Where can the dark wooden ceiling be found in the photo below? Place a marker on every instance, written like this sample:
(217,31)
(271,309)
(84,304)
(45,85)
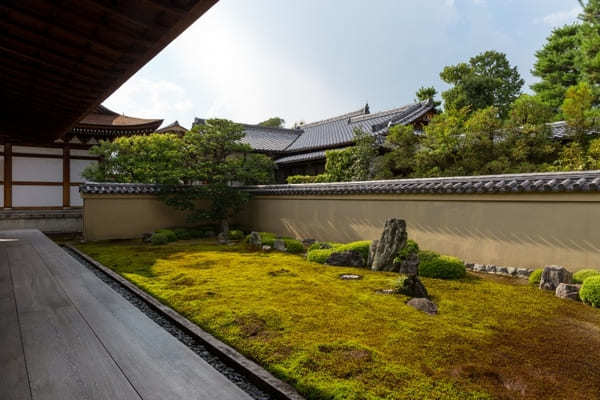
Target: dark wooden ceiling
(60,59)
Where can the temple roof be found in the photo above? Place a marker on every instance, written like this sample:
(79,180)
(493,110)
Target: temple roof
(105,122)
(173,127)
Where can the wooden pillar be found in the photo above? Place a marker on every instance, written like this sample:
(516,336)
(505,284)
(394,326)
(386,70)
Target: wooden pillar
(7,175)
(66,181)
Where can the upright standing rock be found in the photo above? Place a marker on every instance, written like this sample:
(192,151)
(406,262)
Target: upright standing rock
(254,240)
(279,245)
(553,276)
(393,239)
(372,250)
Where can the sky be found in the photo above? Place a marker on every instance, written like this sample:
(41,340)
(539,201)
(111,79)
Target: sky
(305,60)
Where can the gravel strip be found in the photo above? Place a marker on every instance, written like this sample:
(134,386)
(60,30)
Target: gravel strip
(233,375)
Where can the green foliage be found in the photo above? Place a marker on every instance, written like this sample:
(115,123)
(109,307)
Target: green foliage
(411,248)
(163,236)
(183,233)
(556,66)
(257,169)
(293,246)
(588,60)
(155,158)
(323,245)
(590,291)
(578,111)
(235,234)
(433,265)
(352,163)
(486,80)
(274,122)
(536,277)
(428,94)
(582,275)
(402,144)
(339,164)
(321,255)
(321,178)
(529,111)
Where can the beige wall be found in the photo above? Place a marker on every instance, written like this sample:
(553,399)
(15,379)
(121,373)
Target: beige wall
(529,230)
(126,216)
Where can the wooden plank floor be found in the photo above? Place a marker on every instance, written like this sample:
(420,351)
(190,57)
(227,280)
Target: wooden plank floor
(65,334)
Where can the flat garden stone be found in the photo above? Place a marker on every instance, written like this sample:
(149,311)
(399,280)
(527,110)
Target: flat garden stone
(349,258)
(266,248)
(350,277)
(422,304)
(554,275)
(568,291)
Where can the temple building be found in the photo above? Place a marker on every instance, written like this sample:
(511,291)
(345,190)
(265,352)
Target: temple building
(46,174)
(301,151)
(174,128)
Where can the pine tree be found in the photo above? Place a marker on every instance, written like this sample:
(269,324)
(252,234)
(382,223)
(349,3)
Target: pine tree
(556,66)
(589,59)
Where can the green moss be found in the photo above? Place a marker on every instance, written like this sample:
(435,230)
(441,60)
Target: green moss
(580,276)
(236,235)
(321,255)
(433,265)
(336,339)
(536,277)
(323,245)
(590,291)
(411,248)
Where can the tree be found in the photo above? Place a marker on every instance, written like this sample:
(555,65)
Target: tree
(352,163)
(274,122)
(529,110)
(556,65)
(428,94)
(486,80)
(399,161)
(578,111)
(155,158)
(589,35)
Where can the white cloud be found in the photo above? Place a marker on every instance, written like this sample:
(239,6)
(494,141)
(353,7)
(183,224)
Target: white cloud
(147,98)
(560,17)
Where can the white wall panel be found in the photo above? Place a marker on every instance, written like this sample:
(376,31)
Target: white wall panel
(1,168)
(1,196)
(37,150)
(37,196)
(79,152)
(37,169)
(76,200)
(77,167)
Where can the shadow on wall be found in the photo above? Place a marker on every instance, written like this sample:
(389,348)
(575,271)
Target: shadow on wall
(515,233)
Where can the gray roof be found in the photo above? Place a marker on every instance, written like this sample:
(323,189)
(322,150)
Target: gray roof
(315,155)
(262,138)
(586,181)
(339,131)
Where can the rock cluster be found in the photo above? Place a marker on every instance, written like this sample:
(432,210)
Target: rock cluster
(279,245)
(553,276)
(254,240)
(568,291)
(349,258)
(500,270)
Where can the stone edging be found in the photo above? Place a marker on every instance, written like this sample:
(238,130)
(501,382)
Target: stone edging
(252,370)
(500,270)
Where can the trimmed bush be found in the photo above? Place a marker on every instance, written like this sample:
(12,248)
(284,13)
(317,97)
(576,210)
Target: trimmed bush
(536,277)
(433,265)
(236,234)
(183,233)
(163,236)
(323,245)
(196,233)
(321,255)
(293,246)
(580,276)
(590,291)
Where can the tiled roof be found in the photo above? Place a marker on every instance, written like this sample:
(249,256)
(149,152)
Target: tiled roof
(587,181)
(315,155)
(173,127)
(262,138)
(339,131)
(105,122)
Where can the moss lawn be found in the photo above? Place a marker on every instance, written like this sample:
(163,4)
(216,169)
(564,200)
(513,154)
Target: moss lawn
(339,339)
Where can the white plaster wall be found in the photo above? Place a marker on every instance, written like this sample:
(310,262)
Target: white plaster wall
(77,167)
(1,196)
(37,196)
(37,169)
(79,152)
(1,168)
(37,150)
(76,200)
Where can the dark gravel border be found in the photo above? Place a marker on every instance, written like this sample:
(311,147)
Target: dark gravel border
(187,338)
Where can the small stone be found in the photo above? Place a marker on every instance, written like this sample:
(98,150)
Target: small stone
(349,258)
(502,270)
(512,271)
(308,242)
(568,291)
(266,248)
(469,265)
(412,287)
(554,275)
(479,268)
(523,272)
(490,269)
(350,277)
(222,238)
(146,237)
(422,304)
(254,240)
(279,245)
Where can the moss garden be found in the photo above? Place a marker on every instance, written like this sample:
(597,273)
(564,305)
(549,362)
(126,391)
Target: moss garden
(494,337)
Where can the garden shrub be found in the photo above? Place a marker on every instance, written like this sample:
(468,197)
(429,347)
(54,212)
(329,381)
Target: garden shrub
(536,277)
(411,248)
(163,236)
(196,233)
(183,233)
(236,234)
(293,246)
(590,291)
(433,265)
(323,245)
(321,178)
(321,255)
(580,276)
